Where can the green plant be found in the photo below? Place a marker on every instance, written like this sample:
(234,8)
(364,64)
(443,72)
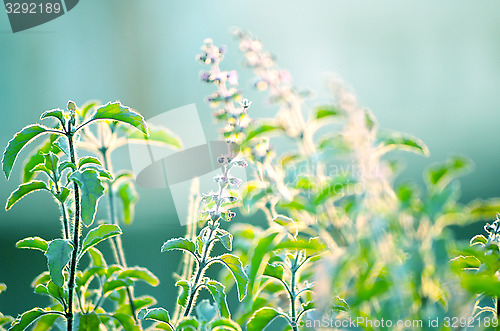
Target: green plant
(77,184)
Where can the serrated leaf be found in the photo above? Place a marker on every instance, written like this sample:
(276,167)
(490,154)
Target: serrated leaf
(219,295)
(261,318)
(22,322)
(97,257)
(33,243)
(37,157)
(96,235)
(404,142)
(183,296)
(16,144)
(118,112)
(234,265)
(91,191)
(87,322)
(115,284)
(155,314)
(128,197)
(23,190)
(180,244)
(157,135)
(138,273)
(225,238)
(56,113)
(58,255)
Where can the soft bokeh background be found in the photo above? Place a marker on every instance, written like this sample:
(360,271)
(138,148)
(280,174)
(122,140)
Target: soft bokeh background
(430,69)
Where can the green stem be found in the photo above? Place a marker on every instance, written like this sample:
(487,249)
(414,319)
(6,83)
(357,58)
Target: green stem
(116,243)
(76,237)
(199,274)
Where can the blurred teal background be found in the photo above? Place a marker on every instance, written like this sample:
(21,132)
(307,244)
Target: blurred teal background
(426,68)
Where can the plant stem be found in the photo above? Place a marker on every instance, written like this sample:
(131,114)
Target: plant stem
(76,237)
(293,295)
(199,274)
(116,243)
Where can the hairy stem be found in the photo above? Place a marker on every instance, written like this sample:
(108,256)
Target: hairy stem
(115,242)
(76,237)
(199,274)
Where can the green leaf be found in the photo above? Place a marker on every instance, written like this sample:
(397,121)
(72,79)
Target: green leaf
(16,144)
(128,197)
(442,174)
(288,223)
(33,243)
(259,251)
(480,209)
(180,244)
(189,323)
(311,246)
(155,314)
(86,322)
(337,187)
(118,112)
(404,142)
(37,157)
(99,234)
(234,265)
(217,291)
(46,322)
(322,112)
(260,128)
(126,321)
(115,284)
(97,257)
(224,324)
(56,113)
(57,292)
(3,287)
(24,321)
(138,273)
(183,296)
(91,190)
(274,270)
(261,318)
(88,160)
(159,136)
(225,238)
(23,190)
(87,107)
(58,255)
(478,240)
